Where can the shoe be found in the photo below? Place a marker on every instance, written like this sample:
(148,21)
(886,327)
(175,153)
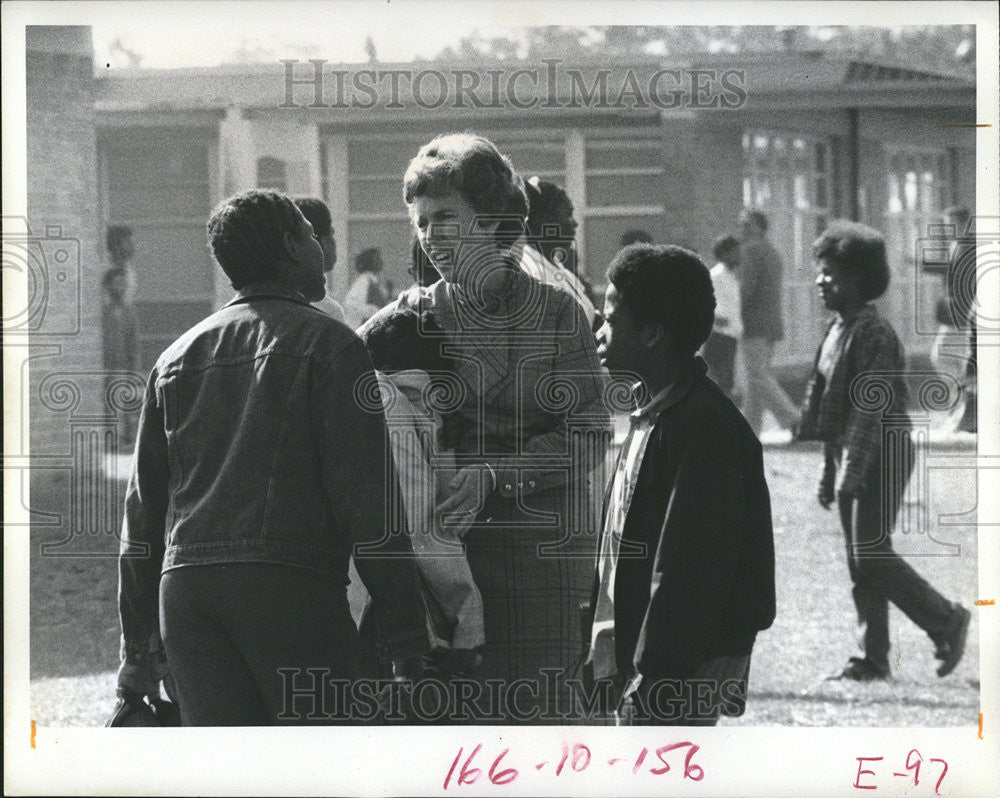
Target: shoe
(862,669)
(951,644)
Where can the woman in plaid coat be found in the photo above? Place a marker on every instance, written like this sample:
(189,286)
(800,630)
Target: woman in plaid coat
(534,422)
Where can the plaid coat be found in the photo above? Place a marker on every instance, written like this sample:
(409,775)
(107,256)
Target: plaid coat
(868,346)
(532,403)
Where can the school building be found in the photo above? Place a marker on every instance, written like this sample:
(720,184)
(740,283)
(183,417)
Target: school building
(674,148)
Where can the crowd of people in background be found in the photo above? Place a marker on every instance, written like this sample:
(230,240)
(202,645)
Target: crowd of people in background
(447,446)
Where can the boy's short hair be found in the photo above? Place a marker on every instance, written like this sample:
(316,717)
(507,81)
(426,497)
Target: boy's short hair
(404,340)
(666,285)
(246,234)
(857,250)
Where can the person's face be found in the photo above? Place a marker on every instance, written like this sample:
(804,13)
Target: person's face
(839,291)
(620,343)
(304,264)
(450,234)
(329,246)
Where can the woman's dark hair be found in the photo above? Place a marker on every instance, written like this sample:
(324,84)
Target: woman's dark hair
(666,285)
(473,167)
(859,252)
(246,234)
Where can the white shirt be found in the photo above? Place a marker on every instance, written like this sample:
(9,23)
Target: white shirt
(727,301)
(602,641)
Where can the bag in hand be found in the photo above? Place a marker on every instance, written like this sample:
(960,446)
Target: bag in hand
(133,711)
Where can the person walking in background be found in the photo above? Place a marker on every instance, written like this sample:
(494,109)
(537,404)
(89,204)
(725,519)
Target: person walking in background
(761,312)
(318,215)
(954,350)
(369,291)
(256,472)
(685,576)
(720,348)
(120,339)
(864,470)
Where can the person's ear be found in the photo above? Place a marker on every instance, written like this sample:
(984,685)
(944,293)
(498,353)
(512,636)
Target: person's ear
(652,334)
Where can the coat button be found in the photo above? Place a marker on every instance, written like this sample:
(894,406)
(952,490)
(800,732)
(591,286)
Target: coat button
(531,484)
(508,487)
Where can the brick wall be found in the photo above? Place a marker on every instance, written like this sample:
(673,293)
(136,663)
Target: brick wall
(72,424)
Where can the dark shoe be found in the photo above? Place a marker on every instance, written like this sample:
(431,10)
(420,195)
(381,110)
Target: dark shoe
(860,669)
(951,644)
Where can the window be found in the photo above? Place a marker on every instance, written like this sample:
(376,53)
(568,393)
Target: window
(917,193)
(787,176)
(623,179)
(271,173)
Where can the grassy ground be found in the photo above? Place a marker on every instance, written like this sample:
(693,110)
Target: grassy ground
(74,625)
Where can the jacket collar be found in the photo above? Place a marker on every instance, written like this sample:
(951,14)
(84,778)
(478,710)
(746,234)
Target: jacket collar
(268,288)
(670,395)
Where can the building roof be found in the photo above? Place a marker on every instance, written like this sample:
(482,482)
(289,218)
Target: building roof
(803,79)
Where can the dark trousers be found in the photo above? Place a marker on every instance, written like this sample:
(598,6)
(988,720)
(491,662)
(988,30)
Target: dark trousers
(879,575)
(720,354)
(240,639)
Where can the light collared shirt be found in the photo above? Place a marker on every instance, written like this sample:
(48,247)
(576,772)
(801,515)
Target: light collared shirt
(642,421)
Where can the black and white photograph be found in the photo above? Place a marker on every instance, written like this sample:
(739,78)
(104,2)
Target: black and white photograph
(501,398)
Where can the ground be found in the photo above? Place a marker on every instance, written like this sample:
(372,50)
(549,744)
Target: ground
(74,622)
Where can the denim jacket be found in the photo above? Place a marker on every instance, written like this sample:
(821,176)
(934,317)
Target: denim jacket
(256,445)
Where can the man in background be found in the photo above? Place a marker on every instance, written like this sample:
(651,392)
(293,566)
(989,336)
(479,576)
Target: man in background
(761,310)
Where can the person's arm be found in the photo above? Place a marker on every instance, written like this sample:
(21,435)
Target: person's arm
(698,548)
(578,362)
(361,485)
(873,349)
(142,547)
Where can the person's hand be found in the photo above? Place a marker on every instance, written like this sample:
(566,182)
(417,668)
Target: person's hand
(467,489)
(408,668)
(825,495)
(142,676)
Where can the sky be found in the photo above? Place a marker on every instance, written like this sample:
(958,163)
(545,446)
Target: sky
(207,34)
